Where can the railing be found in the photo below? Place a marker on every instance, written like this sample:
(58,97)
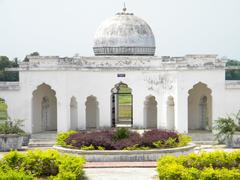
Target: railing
(9,86)
(232,84)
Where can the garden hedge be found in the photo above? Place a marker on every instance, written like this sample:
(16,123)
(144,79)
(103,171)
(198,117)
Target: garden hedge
(204,165)
(41,164)
(121,139)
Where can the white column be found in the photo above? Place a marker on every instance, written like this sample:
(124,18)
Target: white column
(28,121)
(63,113)
(104,103)
(218,109)
(181,111)
(160,113)
(81,113)
(138,111)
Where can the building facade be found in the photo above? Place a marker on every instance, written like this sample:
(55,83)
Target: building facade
(177,93)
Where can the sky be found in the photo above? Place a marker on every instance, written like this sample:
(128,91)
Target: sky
(67,27)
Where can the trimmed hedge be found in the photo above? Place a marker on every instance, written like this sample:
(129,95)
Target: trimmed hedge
(203,166)
(14,175)
(122,139)
(37,163)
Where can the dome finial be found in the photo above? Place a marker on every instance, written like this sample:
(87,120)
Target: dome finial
(124,7)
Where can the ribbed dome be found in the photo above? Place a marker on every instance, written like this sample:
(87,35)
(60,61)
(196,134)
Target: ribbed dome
(124,34)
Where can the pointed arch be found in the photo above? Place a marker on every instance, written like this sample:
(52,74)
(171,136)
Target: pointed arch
(121,105)
(73,114)
(92,112)
(44,109)
(200,107)
(150,112)
(170,113)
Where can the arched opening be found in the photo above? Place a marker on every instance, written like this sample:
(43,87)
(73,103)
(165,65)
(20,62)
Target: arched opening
(3,110)
(73,114)
(150,112)
(170,113)
(200,107)
(122,110)
(92,112)
(44,109)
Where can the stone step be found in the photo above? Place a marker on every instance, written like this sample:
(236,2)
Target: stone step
(43,136)
(201,136)
(41,143)
(123,125)
(43,139)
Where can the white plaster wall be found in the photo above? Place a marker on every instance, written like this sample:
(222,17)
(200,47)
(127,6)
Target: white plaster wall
(232,102)
(150,112)
(92,112)
(214,79)
(194,117)
(83,83)
(170,113)
(37,123)
(73,114)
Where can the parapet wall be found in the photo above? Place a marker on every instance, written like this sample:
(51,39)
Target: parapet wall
(188,62)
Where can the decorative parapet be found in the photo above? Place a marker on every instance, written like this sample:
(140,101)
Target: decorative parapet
(188,62)
(8,86)
(230,84)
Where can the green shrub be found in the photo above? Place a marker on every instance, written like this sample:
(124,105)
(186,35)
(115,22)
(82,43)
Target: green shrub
(225,128)
(121,133)
(13,159)
(183,140)
(136,147)
(91,147)
(60,140)
(64,176)
(41,164)
(37,163)
(122,138)
(101,148)
(158,144)
(170,143)
(213,165)
(15,175)
(12,127)
(71,164)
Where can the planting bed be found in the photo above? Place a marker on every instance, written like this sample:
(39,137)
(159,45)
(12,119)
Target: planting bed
(38,164)
(205,165)
(123,144)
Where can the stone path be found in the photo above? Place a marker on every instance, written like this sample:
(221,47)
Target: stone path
(121,164)
(130,170)
(121,173)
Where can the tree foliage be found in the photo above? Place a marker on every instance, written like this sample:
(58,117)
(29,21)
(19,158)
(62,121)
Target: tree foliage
(233,74)
(32,54)
(8,75)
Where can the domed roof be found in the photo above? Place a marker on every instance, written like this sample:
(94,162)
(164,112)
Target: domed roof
(124,34)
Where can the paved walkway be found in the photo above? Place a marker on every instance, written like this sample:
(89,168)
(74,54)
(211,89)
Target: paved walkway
(147,164)
(130,170)
(121,173)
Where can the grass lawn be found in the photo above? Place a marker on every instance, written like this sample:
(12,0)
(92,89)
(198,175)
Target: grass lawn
(125,99)
(125,105)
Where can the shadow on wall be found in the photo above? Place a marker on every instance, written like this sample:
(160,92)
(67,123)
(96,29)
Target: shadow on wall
(200,107)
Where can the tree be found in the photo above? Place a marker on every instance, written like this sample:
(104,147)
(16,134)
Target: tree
(35,54)
(32,54)
(233,74)
(8,75)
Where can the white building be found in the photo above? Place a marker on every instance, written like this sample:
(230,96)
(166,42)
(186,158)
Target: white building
(181,93)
